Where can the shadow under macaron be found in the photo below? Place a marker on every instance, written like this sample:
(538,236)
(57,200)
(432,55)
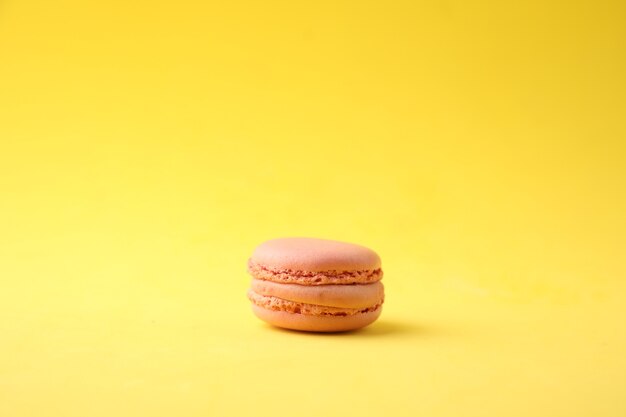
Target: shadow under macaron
(380,328)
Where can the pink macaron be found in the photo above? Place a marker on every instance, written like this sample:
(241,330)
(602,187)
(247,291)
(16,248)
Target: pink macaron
(315,285)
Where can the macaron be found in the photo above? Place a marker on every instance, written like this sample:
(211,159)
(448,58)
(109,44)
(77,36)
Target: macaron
(315,285)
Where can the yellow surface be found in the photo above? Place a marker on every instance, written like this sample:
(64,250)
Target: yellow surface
(147,147)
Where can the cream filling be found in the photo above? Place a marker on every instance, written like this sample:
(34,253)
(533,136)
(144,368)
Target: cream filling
(341,296)
(279,304)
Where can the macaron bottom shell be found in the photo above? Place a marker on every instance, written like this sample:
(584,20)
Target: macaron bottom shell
(316,323)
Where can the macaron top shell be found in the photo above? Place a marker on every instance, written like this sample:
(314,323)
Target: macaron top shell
(307,254)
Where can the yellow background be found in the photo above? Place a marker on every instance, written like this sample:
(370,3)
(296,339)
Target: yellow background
(146,148)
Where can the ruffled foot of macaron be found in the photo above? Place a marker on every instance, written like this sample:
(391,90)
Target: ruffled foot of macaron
(315,285)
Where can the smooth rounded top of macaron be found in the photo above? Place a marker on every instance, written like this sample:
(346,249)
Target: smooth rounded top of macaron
(308,254)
